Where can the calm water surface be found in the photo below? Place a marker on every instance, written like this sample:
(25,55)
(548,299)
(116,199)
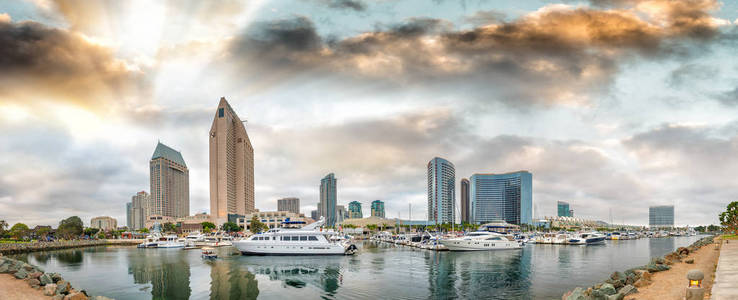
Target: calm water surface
(379,271)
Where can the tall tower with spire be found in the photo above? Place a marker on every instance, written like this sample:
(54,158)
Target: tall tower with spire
(231,165)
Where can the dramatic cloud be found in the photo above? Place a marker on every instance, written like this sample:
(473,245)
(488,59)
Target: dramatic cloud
(356,5)
(40,62)
(568,53)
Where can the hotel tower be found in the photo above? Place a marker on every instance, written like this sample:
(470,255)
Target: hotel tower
(231,166)
(170,183)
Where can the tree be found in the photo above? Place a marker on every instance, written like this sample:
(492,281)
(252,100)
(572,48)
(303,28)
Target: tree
(70,227)
(231,227)
(169,227)
(3,226)
(729,218)
(256,226)
(713,228)
(208,226)
(89,231)
(143,230)
(43,232)
(19,230)
(371,227)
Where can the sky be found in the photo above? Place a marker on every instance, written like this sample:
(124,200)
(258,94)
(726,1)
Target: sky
(613,106)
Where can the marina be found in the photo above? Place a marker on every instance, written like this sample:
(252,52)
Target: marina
(378,270)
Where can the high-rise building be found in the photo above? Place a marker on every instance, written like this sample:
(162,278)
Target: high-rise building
(231,166)
(328,199)
(502,197)
(291,204)
(341,213)
(464,200)
(563,209)
(139,210)
(355,210)
(315,215)
(129,215)
(441,192)
(170,183)
(661,216)
(104,223)
(377,208)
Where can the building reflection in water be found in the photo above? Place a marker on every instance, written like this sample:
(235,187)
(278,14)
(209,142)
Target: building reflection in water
(167,271)
(659,246)
(298,274)
(480,274)
(232,281)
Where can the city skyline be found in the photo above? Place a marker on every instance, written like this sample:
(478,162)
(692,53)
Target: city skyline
(607,117)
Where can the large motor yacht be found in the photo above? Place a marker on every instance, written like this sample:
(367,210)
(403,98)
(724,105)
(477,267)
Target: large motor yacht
(290,241)
(170,241)
(587,238)
(480,240)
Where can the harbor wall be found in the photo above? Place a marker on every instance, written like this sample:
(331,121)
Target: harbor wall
(16,248)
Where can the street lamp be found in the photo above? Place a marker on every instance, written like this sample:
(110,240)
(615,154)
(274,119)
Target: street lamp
(694,289)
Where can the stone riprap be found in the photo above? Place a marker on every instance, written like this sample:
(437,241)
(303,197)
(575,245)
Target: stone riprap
(621,284)
(16,248)
(52,284)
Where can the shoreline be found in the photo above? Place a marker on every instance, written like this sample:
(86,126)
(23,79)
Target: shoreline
(20,248)
(663,277)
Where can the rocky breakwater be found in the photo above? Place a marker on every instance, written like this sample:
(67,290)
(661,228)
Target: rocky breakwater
(52,284)
(621,284)
(15,248)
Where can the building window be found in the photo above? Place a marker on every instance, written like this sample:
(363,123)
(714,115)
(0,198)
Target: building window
(220,113)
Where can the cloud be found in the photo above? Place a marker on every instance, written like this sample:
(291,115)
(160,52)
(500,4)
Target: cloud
(728,98)
(687,74)
(356,5)
(558,54)
(40,62)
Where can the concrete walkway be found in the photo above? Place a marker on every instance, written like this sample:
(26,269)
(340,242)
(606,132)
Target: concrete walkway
(726,276)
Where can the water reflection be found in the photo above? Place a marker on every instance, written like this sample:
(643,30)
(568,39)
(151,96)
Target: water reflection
(297,273)
(168,272)
(231,281)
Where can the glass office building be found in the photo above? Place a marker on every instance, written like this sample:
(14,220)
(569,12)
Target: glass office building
(441,192)
(661,216)
(328,199)
(377,208)
(502,197)
(355,210)
(563,208)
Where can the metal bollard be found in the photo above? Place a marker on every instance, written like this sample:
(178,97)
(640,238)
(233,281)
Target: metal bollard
(695,291)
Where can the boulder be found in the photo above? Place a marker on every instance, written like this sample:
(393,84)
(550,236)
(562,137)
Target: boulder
(35,275)
(50,289)
(615,297)
(58,297)
(643,274)
(627,290)
(617,276)
(56,277)
(618,283)
(607,289)
(28,268)
(641,283)
(682,251)
(45,279)
(576,294)
(598,295)
(689,261)
(4,268)
(76,296)
(21,274)
(34,282)
(63,287)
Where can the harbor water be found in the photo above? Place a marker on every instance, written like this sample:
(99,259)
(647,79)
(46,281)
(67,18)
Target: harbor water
(378,271)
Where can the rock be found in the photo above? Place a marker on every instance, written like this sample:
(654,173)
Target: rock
(641,282)
(617,276)
(35,275)
(58,297)
(607,289)
(56,277)
(45,279)
(643,274)
(76,296)
(616,297)
(598,295)
(653,268)
(63,287)
(576,294)
(598,286)
(34,282)
(102,298)
(50,289)
(627,290)
(618,284)
(21,274)
(689,261)
(682,251)
(4,268)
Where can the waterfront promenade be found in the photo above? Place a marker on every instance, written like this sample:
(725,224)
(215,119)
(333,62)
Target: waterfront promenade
(15,248)
(726,275)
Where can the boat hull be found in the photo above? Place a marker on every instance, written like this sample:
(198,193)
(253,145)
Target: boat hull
(472,245)
(250,248)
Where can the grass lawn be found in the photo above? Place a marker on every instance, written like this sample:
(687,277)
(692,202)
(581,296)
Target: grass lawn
(730,236)
(13,242)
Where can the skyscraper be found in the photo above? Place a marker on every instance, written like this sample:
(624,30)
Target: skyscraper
(464,200)
(291,204)
(377,208)
(563,209)
(355,210)
(129,215)
(231,166)
(661,216)
(315,215)
(341,213)
(170,183)
(139,210)
(328,199)
(441,192)
(502,197)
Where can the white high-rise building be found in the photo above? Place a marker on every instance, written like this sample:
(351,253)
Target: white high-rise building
(441,191)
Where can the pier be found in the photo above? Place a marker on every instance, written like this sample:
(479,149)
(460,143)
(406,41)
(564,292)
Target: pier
(16,248)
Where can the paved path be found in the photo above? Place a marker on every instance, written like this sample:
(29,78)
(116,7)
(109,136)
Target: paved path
(726,276)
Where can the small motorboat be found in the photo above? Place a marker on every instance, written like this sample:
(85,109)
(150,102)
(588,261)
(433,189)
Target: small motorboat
(208,253)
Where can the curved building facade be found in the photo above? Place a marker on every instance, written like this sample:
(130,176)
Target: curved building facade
(441,192)
(502,197)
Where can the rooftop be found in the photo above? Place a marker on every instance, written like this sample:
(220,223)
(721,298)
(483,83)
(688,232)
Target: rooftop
(165,151)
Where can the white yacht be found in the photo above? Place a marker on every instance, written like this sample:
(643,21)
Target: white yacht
(170,241)
(195,237)
(587,238)
(560,239)
(290,241)
(151,241)
(225,240)
(480,240)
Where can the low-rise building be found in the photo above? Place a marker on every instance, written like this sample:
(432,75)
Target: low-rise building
(104,223)
(274,219)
